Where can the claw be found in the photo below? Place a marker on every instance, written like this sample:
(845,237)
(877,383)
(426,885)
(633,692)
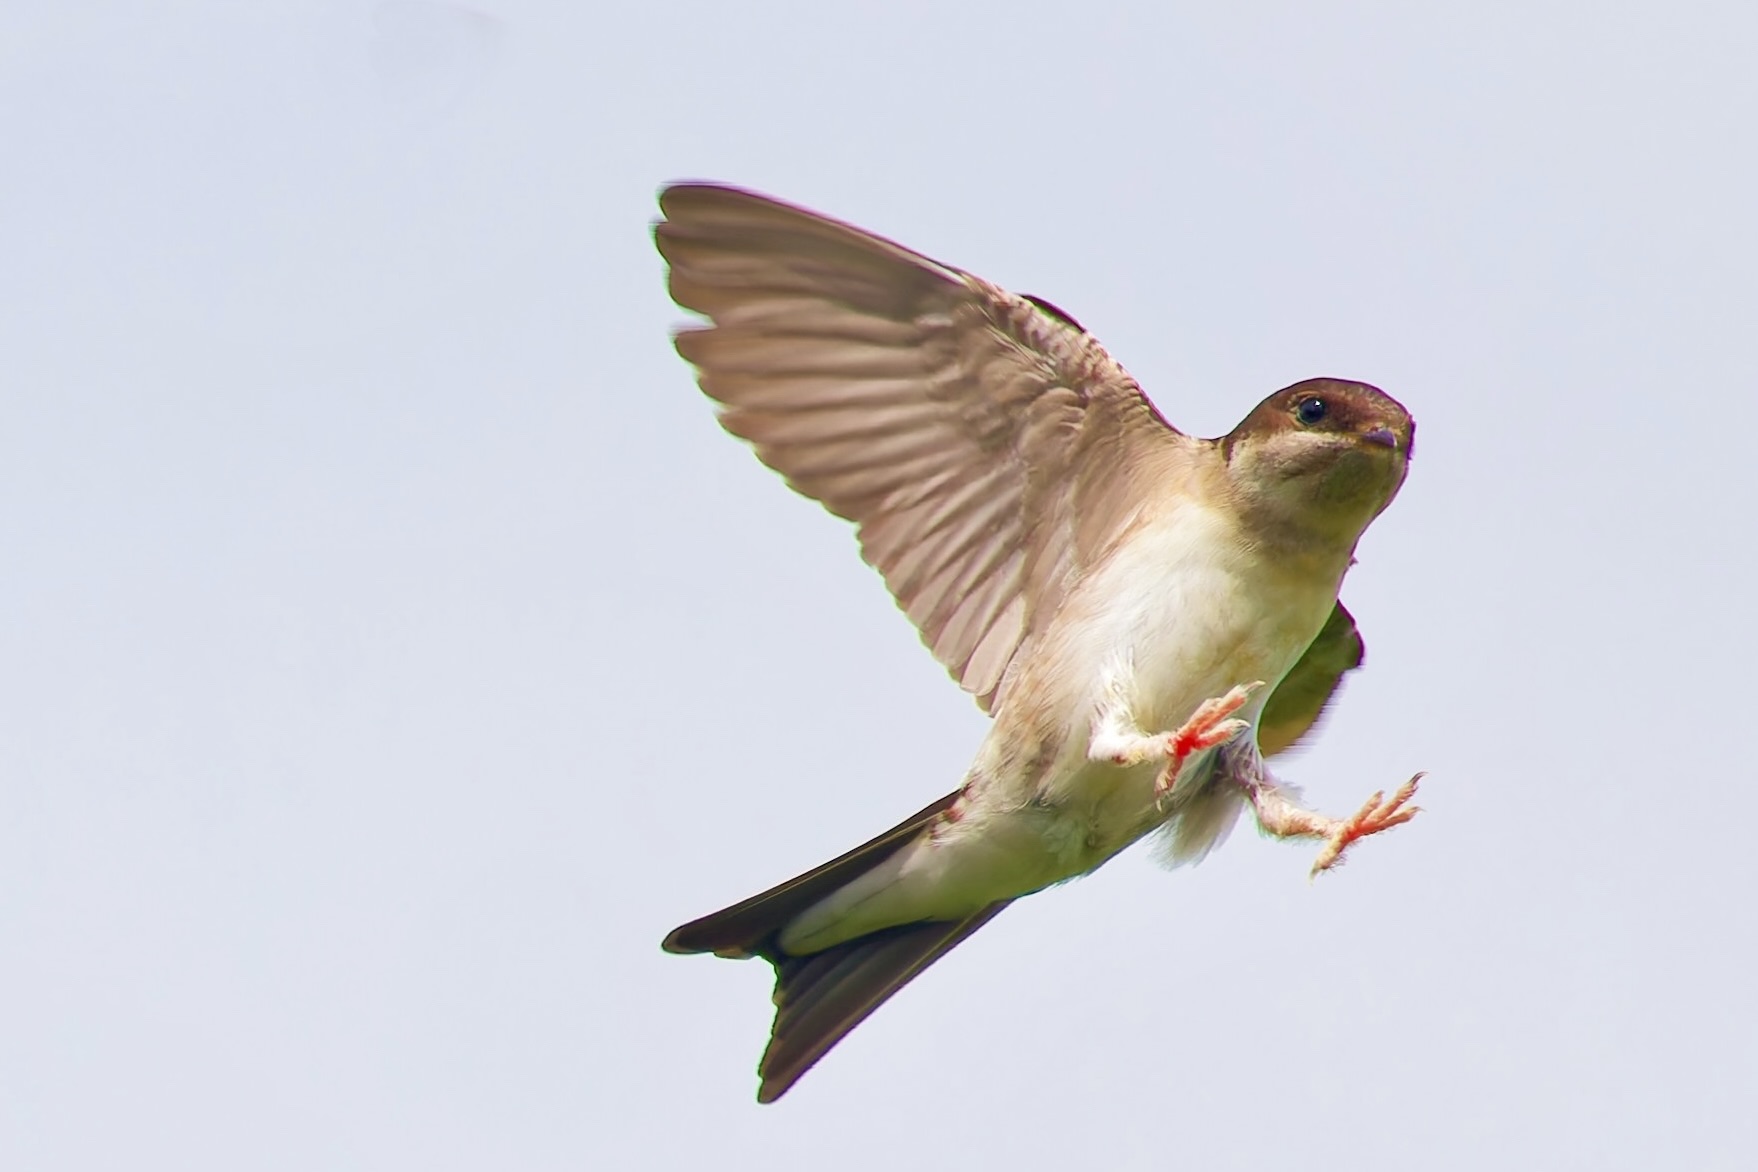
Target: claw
(1375,815)
(1208,727)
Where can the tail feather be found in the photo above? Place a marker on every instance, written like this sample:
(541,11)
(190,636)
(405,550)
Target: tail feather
(821,996)
(748,928)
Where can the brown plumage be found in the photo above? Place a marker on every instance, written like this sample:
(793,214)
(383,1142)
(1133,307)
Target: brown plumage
(1076,563)
(952,421)
(821,996)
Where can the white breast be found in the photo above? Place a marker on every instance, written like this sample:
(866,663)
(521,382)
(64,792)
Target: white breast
(1194,613)
(1181,613)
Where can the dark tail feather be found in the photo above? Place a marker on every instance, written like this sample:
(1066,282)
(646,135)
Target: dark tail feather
(820,997)
(748,928)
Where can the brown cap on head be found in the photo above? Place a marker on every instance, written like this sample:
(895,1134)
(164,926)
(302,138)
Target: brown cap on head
(1333,405)
(1315,462)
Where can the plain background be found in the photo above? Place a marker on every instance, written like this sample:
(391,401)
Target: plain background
(392,648)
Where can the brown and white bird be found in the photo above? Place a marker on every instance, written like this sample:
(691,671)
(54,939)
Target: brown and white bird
(1146,615)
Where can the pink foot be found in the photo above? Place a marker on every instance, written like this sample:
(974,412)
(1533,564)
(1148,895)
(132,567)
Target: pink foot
(1208,727)
(1376,815)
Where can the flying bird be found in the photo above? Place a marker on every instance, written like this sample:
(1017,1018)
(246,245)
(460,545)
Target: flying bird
(1145,615)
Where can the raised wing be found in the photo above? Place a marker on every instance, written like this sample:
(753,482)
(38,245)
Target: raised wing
(986,448)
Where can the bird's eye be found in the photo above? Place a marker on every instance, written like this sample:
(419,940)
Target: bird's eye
(1311,410)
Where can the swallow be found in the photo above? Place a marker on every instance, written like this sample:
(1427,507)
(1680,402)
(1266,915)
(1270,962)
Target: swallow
(1145,615)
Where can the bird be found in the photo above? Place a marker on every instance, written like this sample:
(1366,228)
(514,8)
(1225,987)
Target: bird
(1144,615)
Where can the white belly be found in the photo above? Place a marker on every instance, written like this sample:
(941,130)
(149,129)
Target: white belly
(1180,615)
(1183,614)
(1192,618)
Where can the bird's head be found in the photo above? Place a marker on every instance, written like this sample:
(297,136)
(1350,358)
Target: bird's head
(1319,460)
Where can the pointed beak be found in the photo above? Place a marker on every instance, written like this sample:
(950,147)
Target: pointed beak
(1381,435)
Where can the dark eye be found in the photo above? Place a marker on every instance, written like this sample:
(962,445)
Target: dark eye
(1311,410)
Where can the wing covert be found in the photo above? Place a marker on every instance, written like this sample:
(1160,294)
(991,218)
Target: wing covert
(986,449)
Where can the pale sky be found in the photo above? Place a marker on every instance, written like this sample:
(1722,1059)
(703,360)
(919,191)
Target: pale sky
(392,647)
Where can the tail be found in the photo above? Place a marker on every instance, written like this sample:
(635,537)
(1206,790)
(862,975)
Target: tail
(821,996)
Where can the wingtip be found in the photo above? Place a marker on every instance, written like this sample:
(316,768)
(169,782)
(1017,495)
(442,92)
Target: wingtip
(709,191)
(672,189)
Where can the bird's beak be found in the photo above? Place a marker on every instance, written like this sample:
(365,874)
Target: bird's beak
(1381,435)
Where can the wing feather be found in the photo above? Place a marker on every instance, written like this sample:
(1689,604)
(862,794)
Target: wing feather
(987,449)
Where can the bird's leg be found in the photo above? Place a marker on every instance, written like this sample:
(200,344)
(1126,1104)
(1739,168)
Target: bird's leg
(1280,813)
(1118,738)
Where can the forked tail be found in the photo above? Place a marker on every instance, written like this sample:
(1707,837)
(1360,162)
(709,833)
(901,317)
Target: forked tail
(821,996)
